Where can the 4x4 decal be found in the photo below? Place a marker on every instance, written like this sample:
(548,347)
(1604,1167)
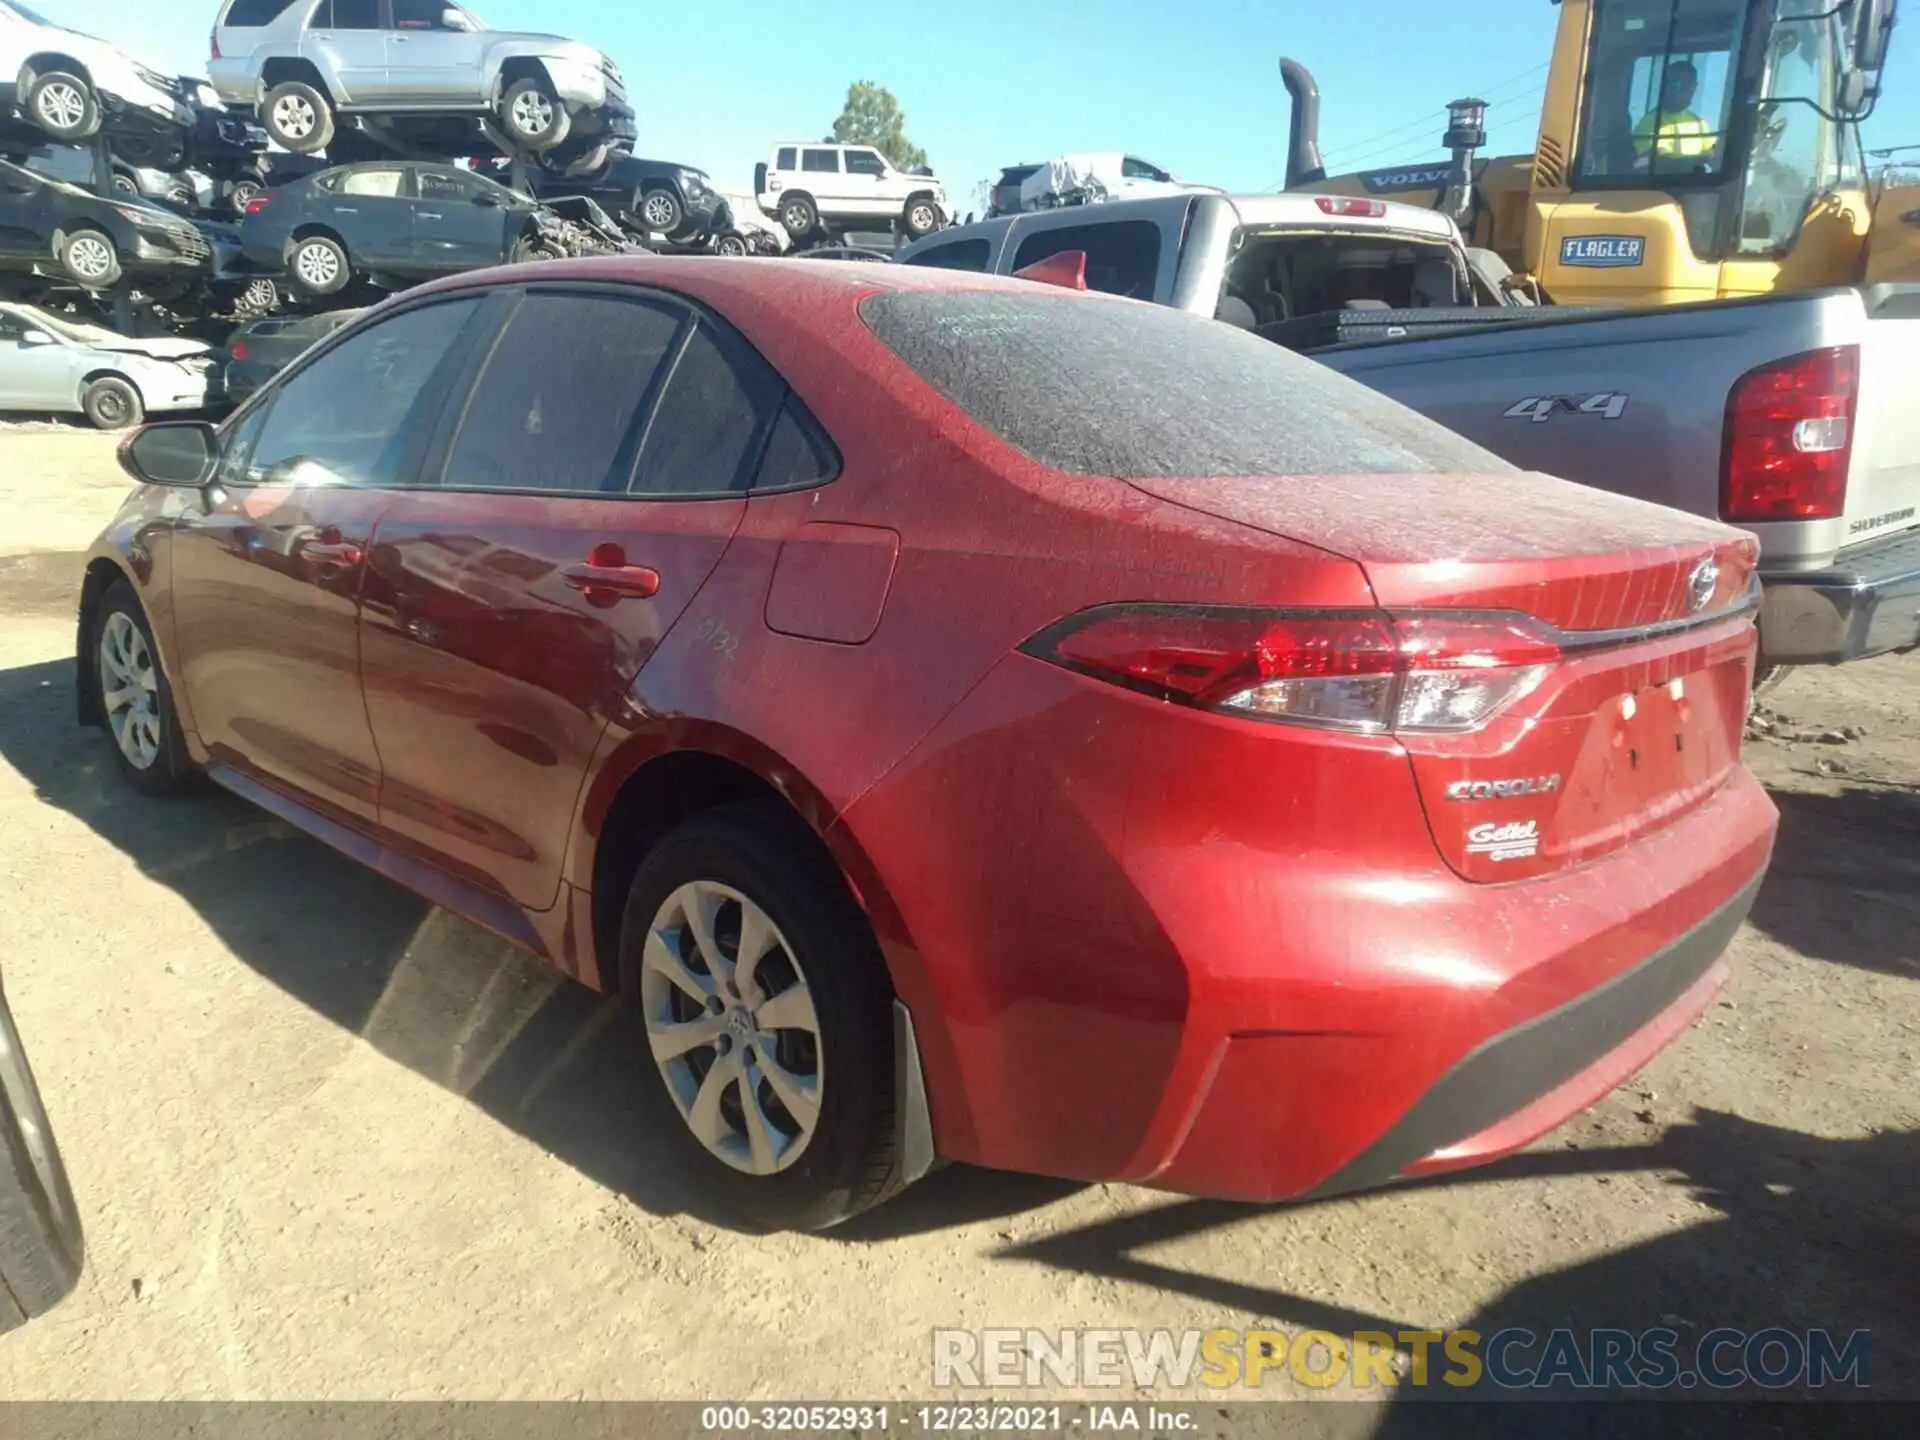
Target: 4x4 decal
(1609,404)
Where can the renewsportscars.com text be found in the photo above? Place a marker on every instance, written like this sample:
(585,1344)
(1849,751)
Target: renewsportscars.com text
(1512,1359)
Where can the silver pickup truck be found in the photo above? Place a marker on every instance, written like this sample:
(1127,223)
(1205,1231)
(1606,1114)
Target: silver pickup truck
(1795,417)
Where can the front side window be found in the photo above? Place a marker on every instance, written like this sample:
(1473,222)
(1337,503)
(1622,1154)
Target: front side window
(358,415)
(1123,257)
(1659,97)
(447,185)
(865,162)
(1132,167)
(820,161)
(425,15)
(11,329)
(560,404)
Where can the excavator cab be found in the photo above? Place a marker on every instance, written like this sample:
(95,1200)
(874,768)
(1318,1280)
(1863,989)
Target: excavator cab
(1702,149)
(1688,150)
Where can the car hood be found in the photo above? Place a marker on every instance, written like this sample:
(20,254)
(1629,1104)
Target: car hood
(531,40)
(154,349)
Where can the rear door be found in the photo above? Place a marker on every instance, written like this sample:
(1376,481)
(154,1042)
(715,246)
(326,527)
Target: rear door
(820,176)
(585,489)
(348,38)
(372,207)
(41,376)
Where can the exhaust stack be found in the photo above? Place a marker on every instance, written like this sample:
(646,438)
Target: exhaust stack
(1304,165)
(1466,133)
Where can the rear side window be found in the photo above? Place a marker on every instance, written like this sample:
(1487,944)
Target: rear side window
(379,184)
(559,405)
(346,15)
(1123,257)
(798,454)
(1097,387)
(960,255)
(825,161)
(246,14)
(708,432)
(786,159)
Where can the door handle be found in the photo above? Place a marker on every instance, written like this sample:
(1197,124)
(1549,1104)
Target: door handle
(428,215)
(624,582)
(333,552)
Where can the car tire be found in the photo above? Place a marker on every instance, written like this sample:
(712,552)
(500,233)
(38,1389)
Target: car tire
(919,218)
(318,265)
(799,216)
(261,297)
(111,403)
(825,971)
(533,116)
(732,243)
(42,1242)
(298,117)
(90,259)
(242,192)
(144,728)
(529,248)
(660,212)
(125,185)
(64,105)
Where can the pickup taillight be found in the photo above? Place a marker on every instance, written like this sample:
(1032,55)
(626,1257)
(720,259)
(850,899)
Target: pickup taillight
(1789,438)
(213,41)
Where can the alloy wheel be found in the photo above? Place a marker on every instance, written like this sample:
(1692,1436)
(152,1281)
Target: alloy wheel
(294,117)
(91,257)
(730,1019)
(532,113)
(130,688)
(317,265)
(61,106)
(657,211)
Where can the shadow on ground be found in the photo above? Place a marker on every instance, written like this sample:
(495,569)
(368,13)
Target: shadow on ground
(536,1051)
(1845,882)
(1808,1234)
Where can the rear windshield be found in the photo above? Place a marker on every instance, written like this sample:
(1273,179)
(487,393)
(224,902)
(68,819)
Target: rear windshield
(1094,386)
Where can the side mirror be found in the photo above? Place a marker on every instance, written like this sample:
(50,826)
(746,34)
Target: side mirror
(1853,92)
(36,337)
(177,452)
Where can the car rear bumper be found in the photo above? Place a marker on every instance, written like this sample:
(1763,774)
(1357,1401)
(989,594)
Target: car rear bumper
(1246,972)
(1866,603)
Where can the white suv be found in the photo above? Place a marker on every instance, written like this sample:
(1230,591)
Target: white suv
(803,186)
(72,86)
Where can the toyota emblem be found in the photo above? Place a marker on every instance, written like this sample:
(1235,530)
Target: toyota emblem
(1702,583)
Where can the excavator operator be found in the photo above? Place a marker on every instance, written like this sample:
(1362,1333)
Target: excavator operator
(1673,131)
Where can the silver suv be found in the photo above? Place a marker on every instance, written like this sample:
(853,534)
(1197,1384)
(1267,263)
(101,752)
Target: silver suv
(301,63)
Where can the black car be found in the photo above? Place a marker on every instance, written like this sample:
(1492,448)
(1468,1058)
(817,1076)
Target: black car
(393,225)
(50,228)
(258,351)
(1006,190)
(228,151)
(656,197)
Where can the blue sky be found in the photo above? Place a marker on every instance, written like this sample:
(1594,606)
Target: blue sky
(1193,86)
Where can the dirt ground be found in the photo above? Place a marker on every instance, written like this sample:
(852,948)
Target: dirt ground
(330,1143)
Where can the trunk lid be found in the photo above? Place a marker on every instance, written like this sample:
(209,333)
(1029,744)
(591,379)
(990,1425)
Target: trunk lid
(1640,719)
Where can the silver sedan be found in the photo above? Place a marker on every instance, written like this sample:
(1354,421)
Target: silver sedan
(57,364)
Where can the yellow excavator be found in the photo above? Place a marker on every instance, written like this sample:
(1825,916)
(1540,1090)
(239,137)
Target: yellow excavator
(1688,150)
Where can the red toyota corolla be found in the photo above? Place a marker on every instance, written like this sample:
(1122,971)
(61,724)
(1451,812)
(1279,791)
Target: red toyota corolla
(964,717)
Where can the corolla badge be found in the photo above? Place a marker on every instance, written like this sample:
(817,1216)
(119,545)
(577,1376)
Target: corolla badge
(1503,789)
(1702,584)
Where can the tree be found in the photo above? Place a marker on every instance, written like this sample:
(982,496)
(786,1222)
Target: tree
(872,117)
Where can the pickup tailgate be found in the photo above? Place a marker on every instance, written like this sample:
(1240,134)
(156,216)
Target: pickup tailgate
(1637,402)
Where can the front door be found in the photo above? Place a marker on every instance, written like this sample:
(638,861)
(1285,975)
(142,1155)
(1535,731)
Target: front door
(348,39)
(510,608)
(268,563)
(430,62)
(460,221)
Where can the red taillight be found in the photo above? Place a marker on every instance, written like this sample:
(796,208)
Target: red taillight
(213,41)
(1350,205)
(239,351)
(1789,438)
(1364,671)
(258,203)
